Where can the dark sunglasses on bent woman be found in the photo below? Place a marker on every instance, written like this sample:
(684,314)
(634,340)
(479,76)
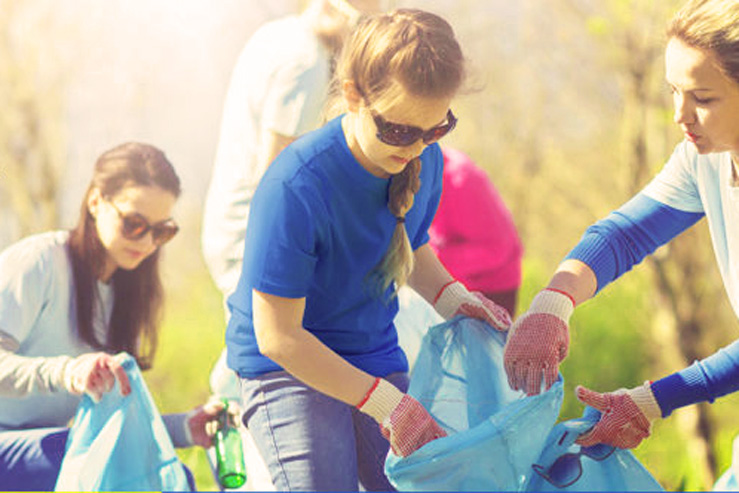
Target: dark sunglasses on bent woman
(567,469)
(134,226)
(396,134)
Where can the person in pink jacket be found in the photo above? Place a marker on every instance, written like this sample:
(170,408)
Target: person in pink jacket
(473,233)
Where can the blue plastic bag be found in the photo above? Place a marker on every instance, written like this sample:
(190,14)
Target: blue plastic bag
(121,444)
(496,435)
(605,468)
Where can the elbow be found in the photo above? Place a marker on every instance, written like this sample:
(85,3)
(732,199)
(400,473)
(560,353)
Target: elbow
(274,345)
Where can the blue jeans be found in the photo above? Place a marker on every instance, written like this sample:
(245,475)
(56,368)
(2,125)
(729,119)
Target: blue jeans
(30,460)
(312,442)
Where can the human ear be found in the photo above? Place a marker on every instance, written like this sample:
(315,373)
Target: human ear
(93,201)
(351,95)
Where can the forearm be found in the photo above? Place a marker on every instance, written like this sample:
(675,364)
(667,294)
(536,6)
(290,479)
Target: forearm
(703,381)
(21,376)
(282,338)
(305,357)
(176,425)
(576,279)
(429,274)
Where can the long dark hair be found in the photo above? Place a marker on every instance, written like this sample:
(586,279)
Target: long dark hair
(138,295)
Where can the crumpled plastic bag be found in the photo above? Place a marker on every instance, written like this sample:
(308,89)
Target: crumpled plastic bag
(121,444)
(495,434)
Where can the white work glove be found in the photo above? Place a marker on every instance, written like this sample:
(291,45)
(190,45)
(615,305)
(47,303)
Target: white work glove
(454,299)
(403,421)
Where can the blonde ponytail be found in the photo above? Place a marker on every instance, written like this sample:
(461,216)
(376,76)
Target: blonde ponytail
(397,264)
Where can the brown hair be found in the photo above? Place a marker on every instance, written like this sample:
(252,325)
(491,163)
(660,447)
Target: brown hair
(713,26)
(138,296)
(417,50)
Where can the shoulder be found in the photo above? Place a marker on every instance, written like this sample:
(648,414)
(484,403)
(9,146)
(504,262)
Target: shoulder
(43,247)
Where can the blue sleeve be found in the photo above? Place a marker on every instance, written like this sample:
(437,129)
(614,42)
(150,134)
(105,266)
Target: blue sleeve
(612,246)
(702,381)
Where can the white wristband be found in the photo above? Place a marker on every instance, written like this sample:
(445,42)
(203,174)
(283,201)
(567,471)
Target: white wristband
(382,401)
(450,299)
(643,397)
(552,302)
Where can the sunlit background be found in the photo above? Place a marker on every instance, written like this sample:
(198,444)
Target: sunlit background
(566,110)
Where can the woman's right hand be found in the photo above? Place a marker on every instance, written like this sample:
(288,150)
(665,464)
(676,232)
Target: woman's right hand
(95,374)
(403,421)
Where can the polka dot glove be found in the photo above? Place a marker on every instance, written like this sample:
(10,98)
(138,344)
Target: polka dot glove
(626,416)
(454,299)
(538,342)
(403,420)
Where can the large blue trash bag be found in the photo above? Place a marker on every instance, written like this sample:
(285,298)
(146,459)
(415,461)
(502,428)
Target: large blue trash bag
(565,466)
(496,435)
(729,480)
(121,444)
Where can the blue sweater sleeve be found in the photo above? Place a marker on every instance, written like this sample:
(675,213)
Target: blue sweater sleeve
(702,381)
(612,246)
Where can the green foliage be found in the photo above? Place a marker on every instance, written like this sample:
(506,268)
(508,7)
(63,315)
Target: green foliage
(192,337)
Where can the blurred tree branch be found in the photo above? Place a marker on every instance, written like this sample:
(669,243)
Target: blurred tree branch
(30,123)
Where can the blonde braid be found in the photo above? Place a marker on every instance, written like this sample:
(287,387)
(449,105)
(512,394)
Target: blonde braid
(397,264)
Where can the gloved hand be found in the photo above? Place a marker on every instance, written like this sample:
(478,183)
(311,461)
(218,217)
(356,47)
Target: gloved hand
(95,374)
(454,299)
(626,419)
(538,342)
(403,420)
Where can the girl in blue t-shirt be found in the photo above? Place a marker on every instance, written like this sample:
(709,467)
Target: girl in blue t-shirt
(700,179)
(338,223)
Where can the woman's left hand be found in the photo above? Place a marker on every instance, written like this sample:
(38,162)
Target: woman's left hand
(202,422)
(626,416)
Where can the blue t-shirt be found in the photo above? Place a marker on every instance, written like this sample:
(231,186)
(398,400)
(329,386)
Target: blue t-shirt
(318,226)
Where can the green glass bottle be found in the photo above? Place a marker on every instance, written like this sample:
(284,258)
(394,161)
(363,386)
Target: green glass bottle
(229,452)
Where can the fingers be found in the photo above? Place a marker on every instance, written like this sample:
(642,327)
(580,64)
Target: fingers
(593,399)
(533,379)
(117,372)
(593,437)
(494,314)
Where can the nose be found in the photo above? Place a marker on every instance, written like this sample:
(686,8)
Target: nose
(417,147)
(684,112)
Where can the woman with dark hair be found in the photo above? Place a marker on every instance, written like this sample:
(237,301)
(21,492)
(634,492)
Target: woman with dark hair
(71,300)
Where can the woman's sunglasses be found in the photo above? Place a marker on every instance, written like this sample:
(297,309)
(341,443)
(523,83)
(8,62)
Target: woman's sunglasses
(398,135)
(567,469)
(134,226)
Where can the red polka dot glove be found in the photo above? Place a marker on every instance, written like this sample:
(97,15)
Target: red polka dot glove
(454,299)
(626,416)
(403,420)
(538,342)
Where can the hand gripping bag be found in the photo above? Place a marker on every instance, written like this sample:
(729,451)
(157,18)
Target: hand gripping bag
(496,435)
(570,467)
(121,444)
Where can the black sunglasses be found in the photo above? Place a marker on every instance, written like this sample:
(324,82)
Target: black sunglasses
(567,469)
(396,134)
(134,226)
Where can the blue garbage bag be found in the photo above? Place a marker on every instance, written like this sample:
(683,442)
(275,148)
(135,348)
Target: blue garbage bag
(566,466)
(495,435)
(121,444)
